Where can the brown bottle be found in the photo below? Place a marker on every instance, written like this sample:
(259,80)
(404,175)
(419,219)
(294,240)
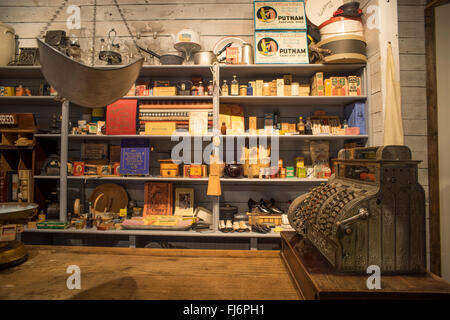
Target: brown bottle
(223,128)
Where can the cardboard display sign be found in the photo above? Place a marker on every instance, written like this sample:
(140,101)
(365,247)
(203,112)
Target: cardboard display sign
(276,15)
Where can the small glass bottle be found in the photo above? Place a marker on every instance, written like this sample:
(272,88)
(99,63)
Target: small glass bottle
(194,90)
(308,127)
(210,89)
(301,125)
(201,89)
(225,88)
(344,124)
(234,87)
(249,89)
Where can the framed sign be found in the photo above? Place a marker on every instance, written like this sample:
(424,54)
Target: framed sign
(184,202)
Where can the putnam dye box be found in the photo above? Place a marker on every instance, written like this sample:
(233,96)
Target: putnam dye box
(281,47)
(276,15)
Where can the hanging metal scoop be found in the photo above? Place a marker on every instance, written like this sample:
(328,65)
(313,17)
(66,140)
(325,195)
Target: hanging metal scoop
(84,85)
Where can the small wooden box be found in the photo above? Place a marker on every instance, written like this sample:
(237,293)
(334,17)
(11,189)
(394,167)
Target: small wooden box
(164,91)
(167,168)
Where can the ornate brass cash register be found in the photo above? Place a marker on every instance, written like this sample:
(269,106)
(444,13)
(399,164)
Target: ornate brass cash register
(371,212)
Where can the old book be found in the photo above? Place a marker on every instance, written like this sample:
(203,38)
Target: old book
(121,117)
(158,199)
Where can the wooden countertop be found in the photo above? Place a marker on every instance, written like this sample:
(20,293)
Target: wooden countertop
(315,278)
(141,273)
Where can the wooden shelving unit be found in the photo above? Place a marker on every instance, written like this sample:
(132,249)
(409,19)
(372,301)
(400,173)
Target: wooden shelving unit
(252,104)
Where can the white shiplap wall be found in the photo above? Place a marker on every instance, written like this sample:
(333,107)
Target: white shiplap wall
(212,19)
(411,35)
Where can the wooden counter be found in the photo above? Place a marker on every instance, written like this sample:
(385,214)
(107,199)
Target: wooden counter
(315,278)
(123,273)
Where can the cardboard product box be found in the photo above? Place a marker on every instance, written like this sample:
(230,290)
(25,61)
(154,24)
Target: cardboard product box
(232,55)
(328,87)
(304,90)
(94,151)
(135,157)
(354,85)
(252,125)
(276,15)
(164,91)
(121,117)
(259,86)
(281,47)
(160,128)
(338,86)
(78,168)
(317,84)
(280,87)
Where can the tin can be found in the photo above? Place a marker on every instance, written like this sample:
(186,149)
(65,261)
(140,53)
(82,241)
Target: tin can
(243,90)
(247,53)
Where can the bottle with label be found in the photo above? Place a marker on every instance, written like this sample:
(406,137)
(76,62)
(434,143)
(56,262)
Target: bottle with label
(250,89)
(301,125)
(224,88)
(90,216)
(210,89)
(194,90)
(234,87)
(201,89)
(344,124)
(308,127)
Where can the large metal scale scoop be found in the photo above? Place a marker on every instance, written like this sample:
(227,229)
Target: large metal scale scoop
(84,85)
(13,252)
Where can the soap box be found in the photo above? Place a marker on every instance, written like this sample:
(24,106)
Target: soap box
(135,157)
(276,15)
(281,47)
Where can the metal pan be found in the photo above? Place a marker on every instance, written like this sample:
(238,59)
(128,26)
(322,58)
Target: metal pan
(165,59)
(208,57)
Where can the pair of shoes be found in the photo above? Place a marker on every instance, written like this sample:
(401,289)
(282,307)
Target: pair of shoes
(225,226)
(240,226)
(260,228)
(263,206)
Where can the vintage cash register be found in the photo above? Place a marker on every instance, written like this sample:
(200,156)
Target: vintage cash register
(371,212)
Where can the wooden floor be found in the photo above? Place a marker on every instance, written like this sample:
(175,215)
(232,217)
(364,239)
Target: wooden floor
(122,273)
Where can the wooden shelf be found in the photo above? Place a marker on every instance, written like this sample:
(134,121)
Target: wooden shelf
(46,177)
(300,137)
(297,70)
(48,135)
(189,233)
(275,181)
(292,100)
(30,100)
(148,178)
(3,147)
(128,136)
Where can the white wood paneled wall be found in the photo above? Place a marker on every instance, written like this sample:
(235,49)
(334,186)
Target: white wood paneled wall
(212,19)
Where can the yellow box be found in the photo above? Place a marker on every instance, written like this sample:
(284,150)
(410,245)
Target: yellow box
(164,91)
(252,125)
(160,128)
(328,87)
(259,88)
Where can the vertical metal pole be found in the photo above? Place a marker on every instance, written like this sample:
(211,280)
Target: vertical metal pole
(216,104)
(63,169)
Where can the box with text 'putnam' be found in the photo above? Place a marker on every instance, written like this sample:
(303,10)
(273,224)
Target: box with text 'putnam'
(281,47)
(279,15)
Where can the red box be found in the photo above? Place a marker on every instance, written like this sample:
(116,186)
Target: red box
(78,168)
(352,131)
(121,117)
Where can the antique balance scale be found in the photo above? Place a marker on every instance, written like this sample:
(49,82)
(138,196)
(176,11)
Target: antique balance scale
(87,86)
